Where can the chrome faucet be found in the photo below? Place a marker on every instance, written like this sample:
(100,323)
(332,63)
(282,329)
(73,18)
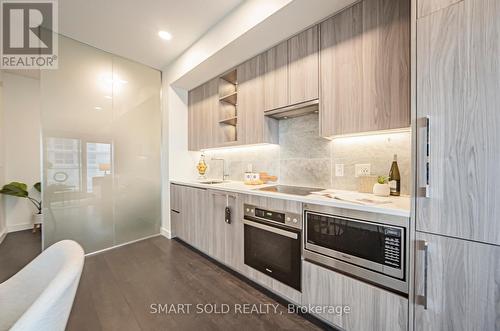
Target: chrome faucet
(224,174)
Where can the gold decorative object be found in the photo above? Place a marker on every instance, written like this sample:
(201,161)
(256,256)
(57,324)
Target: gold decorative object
(202,166)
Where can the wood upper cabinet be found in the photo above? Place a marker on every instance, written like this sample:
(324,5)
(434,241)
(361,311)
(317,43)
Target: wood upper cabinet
(203,103)
(303,66)
(254,127)
(364,60)
(195,99)
(276,77)
(463,289)
(291,71)
(371,308)
(457,88)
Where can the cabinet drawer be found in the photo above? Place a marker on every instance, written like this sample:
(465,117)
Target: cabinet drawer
(370,307)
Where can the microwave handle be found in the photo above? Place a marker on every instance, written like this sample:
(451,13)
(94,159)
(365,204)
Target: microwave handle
(272,229)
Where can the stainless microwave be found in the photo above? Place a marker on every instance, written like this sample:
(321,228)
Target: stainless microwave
(359,244)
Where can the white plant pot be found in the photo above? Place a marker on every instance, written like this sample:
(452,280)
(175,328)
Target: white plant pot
(38,219)
(381,190)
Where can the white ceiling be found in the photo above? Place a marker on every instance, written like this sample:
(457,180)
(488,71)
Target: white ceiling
(129,28)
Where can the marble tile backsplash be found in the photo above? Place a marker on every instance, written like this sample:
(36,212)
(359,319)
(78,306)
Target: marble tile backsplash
(305,159)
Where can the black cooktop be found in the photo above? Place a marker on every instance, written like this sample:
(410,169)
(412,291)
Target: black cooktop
(293,190)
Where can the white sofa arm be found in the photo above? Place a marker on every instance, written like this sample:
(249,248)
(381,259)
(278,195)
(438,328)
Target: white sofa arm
(40,296)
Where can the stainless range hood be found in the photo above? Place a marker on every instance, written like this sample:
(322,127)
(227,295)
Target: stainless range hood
(296,110)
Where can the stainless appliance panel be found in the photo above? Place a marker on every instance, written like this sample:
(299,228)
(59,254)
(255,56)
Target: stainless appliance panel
(272,244)
(272,229)
(288,219)
(372,266)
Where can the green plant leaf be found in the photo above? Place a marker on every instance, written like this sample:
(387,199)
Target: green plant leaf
(382,179)
(19,185)
(15,189)
(38,187)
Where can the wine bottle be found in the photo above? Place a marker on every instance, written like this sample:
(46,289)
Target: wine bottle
(395,177)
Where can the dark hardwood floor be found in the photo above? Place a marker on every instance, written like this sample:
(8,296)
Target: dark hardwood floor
(118,287)
(17,250)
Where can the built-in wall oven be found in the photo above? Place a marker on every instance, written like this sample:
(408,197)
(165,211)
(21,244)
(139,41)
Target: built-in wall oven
(273,243)
(361,244)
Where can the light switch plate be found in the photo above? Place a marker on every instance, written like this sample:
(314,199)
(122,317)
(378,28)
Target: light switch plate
(362,169)
(339,170)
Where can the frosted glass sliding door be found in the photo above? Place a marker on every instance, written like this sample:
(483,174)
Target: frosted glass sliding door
(101,148)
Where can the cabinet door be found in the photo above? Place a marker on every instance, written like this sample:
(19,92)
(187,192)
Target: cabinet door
(364,78)
(457,88)
(226,243)
(303,66)
(203,102)
(371,308)
(191,219)
(322,287)
(209,116)
(254,127)
(233,234)
(175,197)
(463,289)
(217,204)
(199,226)
(195,101)
(175,210)
(276,77)
(176,227)
(187,214)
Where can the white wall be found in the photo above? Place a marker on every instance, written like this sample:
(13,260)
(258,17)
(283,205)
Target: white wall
(21,139)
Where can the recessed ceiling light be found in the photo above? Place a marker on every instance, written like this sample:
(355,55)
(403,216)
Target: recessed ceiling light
(98,108)
(165,35)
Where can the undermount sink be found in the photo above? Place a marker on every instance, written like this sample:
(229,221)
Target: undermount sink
(211,181)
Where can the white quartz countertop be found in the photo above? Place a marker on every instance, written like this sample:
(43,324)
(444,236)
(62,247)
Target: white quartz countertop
(397,206)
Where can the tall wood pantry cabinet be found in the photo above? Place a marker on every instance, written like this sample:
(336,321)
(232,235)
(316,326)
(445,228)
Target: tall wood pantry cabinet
(457,263)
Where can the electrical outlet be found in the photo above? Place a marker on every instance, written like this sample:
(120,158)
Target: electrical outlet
(339,170)
(362,169)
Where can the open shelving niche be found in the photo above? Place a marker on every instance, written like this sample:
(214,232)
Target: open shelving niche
(228,106)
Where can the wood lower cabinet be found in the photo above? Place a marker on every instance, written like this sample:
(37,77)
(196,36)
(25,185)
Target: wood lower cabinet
(175,210)
(226,239)
(370,308)
(303,66)
(463,284)
(188,215)
(365,73)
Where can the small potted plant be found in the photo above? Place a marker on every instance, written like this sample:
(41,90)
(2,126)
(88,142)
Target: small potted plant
(20,190)
(381,188)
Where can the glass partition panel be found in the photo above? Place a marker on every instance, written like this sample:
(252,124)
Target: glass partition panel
(137,137)
(101,120)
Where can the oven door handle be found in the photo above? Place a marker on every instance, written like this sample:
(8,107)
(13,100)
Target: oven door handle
(272,229)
